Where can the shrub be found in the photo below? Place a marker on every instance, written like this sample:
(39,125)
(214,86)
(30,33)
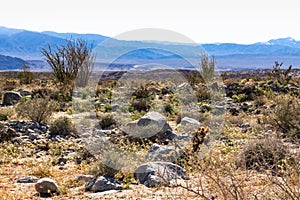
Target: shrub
(286,116)
(264,154)
(107,107)
(26,77)
(6,133)
(168,108)
(6,113)
(106,120)
(38,109)
(282,76)
(207,67)
(239,98)
(139,105)
(62,126)
(142,92)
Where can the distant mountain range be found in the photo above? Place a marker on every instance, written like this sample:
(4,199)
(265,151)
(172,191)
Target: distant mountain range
(18,46)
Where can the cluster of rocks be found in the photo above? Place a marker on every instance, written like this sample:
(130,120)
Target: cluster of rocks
(26,132)
(158,171)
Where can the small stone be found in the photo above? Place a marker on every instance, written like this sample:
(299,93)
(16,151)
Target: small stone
(103,183)
(85,178)
(28,179)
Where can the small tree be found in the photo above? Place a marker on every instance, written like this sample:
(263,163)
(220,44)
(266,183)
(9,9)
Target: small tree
(70,61)
(207,67)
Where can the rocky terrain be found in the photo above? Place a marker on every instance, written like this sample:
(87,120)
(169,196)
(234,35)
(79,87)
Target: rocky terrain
(151,136)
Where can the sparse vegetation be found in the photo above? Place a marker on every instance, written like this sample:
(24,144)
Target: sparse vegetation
(253,155)
(37,109)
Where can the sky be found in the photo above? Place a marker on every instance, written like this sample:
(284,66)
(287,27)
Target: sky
(209,21)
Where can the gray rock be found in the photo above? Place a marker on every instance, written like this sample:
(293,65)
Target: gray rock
(34,136)
(153,126)
(103,183)
(204,108)
(158,173)
(163,153)
(245,126)
(10,98)
(189,124)
(25,92)
(85,178)
(34,125)
(219,110)
(28,179)
(46,186)
(189,121)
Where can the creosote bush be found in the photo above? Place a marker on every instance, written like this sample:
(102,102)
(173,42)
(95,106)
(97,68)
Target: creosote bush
(265,154)
(286,116)
(26,77)
(37,109)
(106,120)
(62,126)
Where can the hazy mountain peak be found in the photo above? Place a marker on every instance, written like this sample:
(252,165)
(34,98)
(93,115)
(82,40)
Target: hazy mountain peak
(288,41)
(9,31)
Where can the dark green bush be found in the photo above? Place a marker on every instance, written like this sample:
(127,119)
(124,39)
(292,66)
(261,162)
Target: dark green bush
(106,120)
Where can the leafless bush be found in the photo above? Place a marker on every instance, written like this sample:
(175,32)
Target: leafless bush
(71,61)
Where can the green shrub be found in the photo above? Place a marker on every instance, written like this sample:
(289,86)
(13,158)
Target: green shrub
(168,108)
(286,116)
(107,107)
(37,109)
(26,77)
(62,126)
(282,76)
(106,120)
(239,98)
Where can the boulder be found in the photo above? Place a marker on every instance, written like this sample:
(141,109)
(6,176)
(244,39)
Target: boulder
(189,121)
(153,126)
(103,183)
(10,98)
(46,186)
(157,173)
(163,153)
(189,124)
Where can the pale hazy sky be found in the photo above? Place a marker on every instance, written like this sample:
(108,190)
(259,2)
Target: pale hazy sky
(202,21)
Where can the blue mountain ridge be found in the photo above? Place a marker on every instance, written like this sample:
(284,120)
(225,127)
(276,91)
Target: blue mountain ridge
(27,45)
